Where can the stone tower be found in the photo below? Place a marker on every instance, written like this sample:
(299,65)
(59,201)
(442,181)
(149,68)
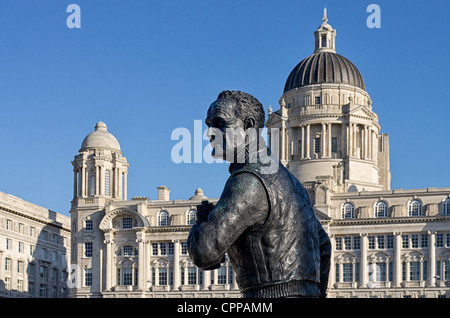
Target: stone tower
(329,135)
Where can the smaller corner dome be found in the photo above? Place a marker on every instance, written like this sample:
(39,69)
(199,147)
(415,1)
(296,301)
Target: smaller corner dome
(199,195)
(100,138)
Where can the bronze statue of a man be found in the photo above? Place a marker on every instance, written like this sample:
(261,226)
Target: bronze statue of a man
(264,218)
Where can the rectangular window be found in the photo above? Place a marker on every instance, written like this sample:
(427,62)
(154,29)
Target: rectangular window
(9,225)
(424,240)
(127,277)
(162,248)
(171,248)
(192,275)
(184,248)
(380,269)
(89,226)
(128,250)
(334,144)
(317,145)
(448,240)
(380,241)
(31,270)
(88,249)
(43,253)
(356,242)
(338,243)
(405,241)
(43,290)
(348,242)
(347,272)
(439,240)
(414,241)
(414,271)
(371,242)
(8,244)
(390,241)
(127,223)
(337,272)
(43,272)
(20,267)
(222,275)
(163,276)
(88,277)
(8,263)
(317,100)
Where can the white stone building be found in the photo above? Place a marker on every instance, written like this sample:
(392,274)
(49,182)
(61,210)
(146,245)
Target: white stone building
(34,250)
(386,243)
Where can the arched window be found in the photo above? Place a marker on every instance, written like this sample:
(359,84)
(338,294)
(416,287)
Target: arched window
(415,208)
(381,209)
(191,217)
(348,211)
(163,218)
(446,207)
(108,182)
(91,184)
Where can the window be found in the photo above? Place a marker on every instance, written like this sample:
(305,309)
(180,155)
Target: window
(424,240)
(317,100)
(8,244)
(127,276)
(192,275)
(127,223)
(381,209)
(414,271)
(348,242)
(88,277)
(317,145)
(446,207)
(415,208)
(334,144)
(347,272)
(324,41)
(380,272)
(163,218)
(88,249)
(8,263)
(439,240)
(31,269)
(162,248)
(371,242)
(20,267)
(390,241)
(155,248)
(348,211)
(91,184)
(191,217)
(43,271)
(43,290)
(222,275)
(171,248)
(380,241)
(356,242)
(405,241)
(414,241)
(89,226)
(107,182)
(338,243)
(128,250)
(163,276)
(9,225)
(184,248)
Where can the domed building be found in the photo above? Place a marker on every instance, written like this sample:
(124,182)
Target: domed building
(385,243)
(328,131)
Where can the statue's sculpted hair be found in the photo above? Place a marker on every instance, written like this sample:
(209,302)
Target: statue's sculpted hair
(247,106)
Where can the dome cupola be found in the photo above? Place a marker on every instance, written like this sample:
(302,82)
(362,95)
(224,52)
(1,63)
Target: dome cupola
(325,65)
(100,138)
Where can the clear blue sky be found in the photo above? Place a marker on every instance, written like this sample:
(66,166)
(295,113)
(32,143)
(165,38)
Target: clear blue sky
(146,67)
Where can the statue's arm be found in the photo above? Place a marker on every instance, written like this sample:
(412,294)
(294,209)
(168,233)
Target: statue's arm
(242,204)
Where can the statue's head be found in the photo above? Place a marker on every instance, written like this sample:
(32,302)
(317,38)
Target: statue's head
(235,120)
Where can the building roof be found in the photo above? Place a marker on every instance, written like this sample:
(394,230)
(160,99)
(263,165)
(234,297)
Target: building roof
(324,67)
(100,138)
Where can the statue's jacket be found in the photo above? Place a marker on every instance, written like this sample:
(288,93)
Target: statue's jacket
(286,256)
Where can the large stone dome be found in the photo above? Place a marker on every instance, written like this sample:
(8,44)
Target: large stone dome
(324,67)
(100,138)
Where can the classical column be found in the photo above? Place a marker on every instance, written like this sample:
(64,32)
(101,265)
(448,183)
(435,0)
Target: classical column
(206,280)
(308,141)
(363,264)
(97,180)
(125,185)
(83,180)
(302,150)
(176,265)
(75,183)
(108,260)
(350,140)
(140,236)
(332,274)
(330,154)
(397,259)
(323,141)
(432,258)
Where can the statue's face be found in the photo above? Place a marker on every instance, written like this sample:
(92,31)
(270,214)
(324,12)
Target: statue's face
(223,129)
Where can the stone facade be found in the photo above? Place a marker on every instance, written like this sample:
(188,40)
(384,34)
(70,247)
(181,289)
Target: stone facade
(386,243)
(34,250)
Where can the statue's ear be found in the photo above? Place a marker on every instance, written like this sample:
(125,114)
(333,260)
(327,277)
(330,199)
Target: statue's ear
(249,122)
